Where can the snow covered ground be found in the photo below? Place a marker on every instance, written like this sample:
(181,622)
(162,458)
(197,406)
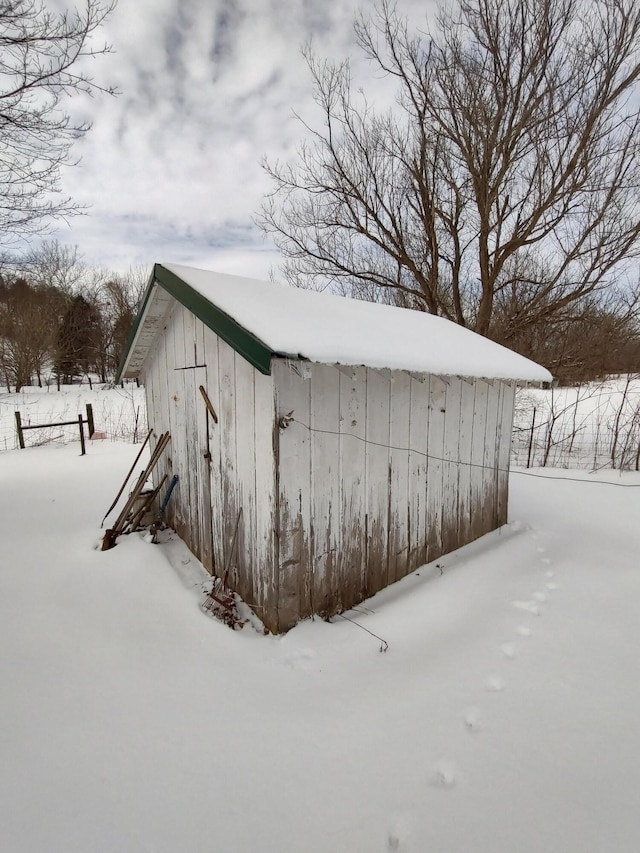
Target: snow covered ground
(504,717)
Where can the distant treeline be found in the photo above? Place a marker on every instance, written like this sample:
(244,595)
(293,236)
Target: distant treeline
(61,319)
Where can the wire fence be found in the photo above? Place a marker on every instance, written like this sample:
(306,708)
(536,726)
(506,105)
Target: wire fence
(119,414)
(592,426)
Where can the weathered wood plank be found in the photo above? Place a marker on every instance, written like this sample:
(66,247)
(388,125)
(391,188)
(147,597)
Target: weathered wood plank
(450,469)
(246,553)
(292,387)
(468,416)
(210,357)
(398,496)
(435,466)
(477,472)
(325,486)
(265,575)
(227,424)
(177,416)
(418,442)
(504,449)
(377,479)
(202,467)
(353,451)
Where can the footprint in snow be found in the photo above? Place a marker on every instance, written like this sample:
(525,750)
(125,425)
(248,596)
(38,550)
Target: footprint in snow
(523,631)
(444,774)
(528,606)
(552,586)
(494,684)
(546,561)
(550,574)
(508,650)
(541,550)
(472,720)
(397,837)
(539,596)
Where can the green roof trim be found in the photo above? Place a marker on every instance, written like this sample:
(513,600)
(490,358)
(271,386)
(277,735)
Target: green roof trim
(136,326)
(242,341)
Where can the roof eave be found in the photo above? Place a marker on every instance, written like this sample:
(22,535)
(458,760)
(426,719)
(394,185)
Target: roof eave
(243,342)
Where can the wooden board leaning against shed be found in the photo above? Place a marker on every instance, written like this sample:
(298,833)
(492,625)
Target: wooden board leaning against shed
(315,483)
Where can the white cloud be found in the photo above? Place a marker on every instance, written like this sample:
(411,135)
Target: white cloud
(171,166)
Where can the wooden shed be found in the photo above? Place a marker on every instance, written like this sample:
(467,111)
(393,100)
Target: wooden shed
(351,442)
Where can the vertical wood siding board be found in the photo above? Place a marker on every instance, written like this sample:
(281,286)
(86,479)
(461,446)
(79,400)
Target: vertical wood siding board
(294,568)
(265,571)
(468,416)
(207,463)
(245,551)
(184,337)
(451,536)
(489,473)
(352,460)
(185,379)
(364,573)
(227,425)
(325,449)
(477,459)
(496,454)
(505,449)
(203,481)
(377,433)
(175,398)
(399,440)
(418,441)
(213,503)
(435,466)
(192,461)
(165,422)
(480,435)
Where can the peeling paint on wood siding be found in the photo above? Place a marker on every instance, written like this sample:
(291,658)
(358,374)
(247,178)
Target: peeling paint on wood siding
(377,479)
(399,475)
(353,409)
(418,466)
(325,487)
(468,416)
(377,472)
(292,383)
(503,447)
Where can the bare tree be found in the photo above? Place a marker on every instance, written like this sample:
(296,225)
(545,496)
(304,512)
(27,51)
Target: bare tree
(501,189)
(41,64)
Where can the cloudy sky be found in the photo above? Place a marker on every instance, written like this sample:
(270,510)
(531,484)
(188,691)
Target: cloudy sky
(171,168)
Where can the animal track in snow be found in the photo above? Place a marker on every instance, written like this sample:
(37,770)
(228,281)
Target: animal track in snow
(523,631)
(550,574)
(552,586)
(444,774)
(508,650)
(541,550)
(546,561)
(528,606)
(539,596)
(397,836)
(494,684)
(472,719)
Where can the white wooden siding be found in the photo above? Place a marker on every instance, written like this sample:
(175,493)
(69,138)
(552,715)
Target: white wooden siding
(226,470)
(378,472)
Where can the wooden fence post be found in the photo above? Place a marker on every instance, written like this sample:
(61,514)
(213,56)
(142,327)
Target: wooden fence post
(19,428)
(90,424)
(81,427)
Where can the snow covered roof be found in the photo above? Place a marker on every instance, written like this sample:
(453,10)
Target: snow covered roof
(262,319)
